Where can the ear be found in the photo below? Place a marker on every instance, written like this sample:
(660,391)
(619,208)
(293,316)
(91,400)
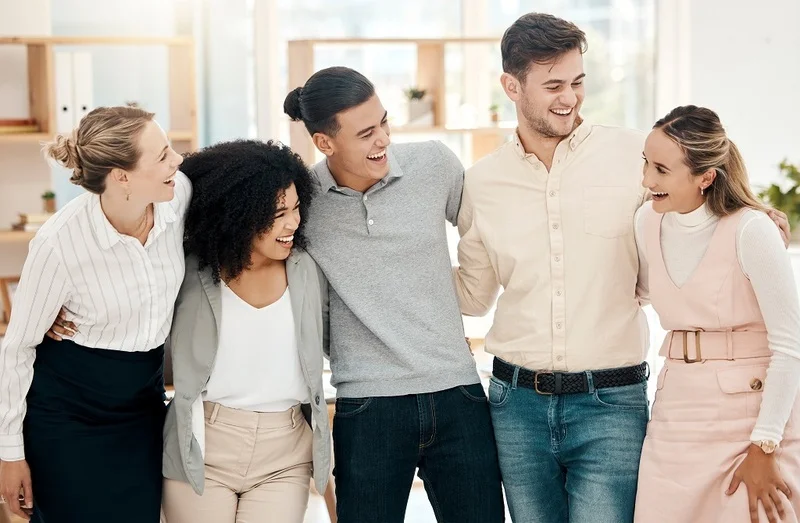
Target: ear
(511,86)
(707,178)
(324,143)
(119,175)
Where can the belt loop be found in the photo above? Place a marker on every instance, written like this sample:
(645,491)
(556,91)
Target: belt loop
(729,340)
(515,377)
(294,416)
(669,349)
(589,382)
(214,413)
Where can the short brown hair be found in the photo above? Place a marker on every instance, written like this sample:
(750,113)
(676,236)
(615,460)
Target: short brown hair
(105,139)
(538,38)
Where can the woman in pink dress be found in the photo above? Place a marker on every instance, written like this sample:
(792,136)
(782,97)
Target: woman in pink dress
(723,444)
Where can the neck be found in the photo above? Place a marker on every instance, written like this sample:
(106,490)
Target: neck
(126,216)
(344,178)
(260,266)
(544,147)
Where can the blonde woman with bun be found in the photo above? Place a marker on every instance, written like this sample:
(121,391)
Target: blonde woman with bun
(81,419)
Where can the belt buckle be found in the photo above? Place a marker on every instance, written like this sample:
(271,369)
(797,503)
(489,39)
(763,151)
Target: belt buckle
(696,345)
(536,383)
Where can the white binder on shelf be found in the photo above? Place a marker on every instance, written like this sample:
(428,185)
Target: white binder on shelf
(82,86)
(65,112)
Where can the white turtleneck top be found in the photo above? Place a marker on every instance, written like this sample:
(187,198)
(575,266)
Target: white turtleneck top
(764,260)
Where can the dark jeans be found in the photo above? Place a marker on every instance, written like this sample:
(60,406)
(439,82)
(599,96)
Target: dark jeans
(380,441)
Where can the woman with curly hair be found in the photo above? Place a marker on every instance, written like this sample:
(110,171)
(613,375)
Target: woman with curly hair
(246,344)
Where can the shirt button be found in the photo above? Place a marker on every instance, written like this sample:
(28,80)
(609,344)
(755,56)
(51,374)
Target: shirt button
(555,226)
(557,258)
(560,358)
(371,222)
(316,399)
(552,193)
(366,197)
(558,293)
(558,325)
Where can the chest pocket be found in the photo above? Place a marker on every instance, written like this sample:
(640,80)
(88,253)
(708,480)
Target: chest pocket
(608,211)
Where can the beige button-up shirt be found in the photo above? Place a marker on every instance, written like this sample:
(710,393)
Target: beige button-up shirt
(561,245)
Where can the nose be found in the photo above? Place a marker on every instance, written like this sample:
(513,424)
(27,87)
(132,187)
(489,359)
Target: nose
(180,159)
(383,139)
(647,179)
(569,98)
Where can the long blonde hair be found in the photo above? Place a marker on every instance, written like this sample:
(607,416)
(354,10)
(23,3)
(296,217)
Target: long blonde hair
(106,138)
(700,135)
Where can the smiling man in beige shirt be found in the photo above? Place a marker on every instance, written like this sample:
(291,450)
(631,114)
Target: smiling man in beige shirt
(549,218)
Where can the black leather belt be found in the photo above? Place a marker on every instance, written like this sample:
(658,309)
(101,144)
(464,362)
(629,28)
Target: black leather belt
(570,382)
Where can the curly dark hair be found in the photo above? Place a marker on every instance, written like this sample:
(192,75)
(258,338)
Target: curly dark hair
(236,187)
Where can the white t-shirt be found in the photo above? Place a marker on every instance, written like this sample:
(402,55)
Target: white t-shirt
(257,367)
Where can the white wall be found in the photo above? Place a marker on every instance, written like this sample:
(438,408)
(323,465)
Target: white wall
(741,59)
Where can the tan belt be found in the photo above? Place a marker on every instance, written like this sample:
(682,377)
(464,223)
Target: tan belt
(697,346)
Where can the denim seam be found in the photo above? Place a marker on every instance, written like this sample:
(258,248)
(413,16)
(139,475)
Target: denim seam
(437,511)
(433,420)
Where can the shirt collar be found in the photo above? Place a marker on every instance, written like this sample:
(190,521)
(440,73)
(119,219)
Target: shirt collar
(575,138)
(107,236)
(328,182)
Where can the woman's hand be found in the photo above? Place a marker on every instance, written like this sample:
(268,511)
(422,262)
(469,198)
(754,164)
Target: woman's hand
(760,474)
(15,486)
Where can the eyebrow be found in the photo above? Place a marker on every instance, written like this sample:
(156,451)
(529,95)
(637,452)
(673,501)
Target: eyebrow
(656,163)
(371,127)
(556,81)
(283,207)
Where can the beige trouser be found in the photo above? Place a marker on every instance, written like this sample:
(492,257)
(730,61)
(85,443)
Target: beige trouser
(258,469)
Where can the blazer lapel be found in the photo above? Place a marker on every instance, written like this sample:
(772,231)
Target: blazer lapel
(296,275)
(214,296)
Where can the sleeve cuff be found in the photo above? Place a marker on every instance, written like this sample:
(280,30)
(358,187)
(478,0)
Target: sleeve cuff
(12,448)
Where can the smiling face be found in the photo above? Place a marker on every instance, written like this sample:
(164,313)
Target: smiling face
(276,243)
(153,178)
(550,97)
(357,151)
(667,176)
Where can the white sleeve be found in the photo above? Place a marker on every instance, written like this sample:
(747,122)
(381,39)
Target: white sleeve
(42,290)
(642,283)
(764,260)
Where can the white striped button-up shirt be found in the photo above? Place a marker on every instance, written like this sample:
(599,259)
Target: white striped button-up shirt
(119,293)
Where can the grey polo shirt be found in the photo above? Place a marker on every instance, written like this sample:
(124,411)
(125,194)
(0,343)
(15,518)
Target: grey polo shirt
(395,325)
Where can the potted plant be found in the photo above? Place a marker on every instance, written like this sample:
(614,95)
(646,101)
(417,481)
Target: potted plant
(420,110)
(783,196)
(49,201)
(494,113)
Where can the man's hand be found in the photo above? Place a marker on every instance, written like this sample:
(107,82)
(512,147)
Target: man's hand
(782,221)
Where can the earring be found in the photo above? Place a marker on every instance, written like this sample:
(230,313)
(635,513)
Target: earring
(128,195)
(701,191)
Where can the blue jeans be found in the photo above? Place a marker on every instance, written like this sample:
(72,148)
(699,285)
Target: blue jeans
(379,442)
(570,458)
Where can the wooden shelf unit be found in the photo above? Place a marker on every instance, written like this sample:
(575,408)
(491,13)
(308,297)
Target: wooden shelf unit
(10,236)
(430,76)
(41,83)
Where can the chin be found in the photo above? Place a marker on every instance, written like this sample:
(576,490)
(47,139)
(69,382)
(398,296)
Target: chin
(662,207)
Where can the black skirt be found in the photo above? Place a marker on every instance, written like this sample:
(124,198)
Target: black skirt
(93,434)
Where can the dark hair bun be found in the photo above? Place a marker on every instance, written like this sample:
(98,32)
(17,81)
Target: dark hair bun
(291,105)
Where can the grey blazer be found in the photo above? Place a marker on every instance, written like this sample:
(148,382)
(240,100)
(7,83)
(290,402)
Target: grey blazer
(193,344)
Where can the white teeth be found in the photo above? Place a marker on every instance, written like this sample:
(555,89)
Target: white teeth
(659,194)
(562,112)
(377,156)
(286,239)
